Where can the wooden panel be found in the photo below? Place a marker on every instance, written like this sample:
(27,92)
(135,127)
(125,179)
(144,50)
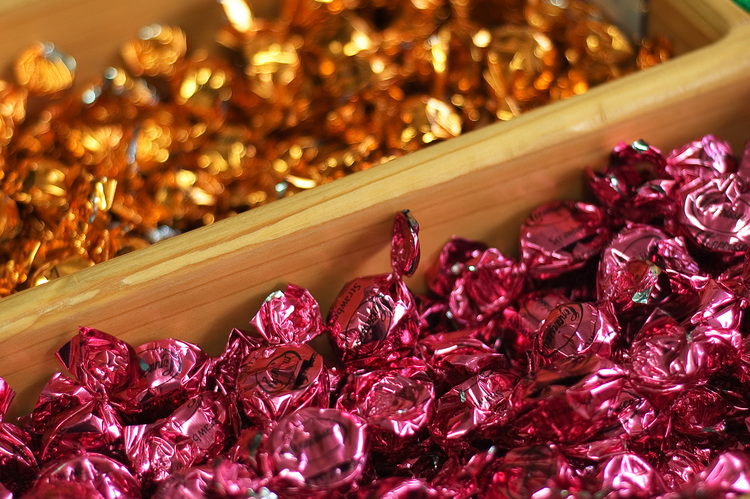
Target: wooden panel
(480,185)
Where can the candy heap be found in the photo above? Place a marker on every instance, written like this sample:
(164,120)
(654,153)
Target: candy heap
(176,139)
(612,359)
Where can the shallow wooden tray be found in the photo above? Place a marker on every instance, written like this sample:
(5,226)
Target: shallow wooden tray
(481,185)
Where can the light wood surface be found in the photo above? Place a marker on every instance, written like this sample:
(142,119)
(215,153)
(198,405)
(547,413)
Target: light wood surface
(481,185)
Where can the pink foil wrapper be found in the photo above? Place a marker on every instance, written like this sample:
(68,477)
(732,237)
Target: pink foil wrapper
(99,361)
(70,418)
(715,215)
(319,449)
(94,472)
(643,268)
(706,158)
(375,319)
(576,329)
(571,401)
(198,430)
(226,367)
(170,372)
(561,236)
(396,404)
(441,276)
(634,186)
(457,356)
(629,475)
(399,488)
(472,410)
(529,472)
(486,285)
(728,475)
(531,312)
(220,479)
(276,380)
(289,316)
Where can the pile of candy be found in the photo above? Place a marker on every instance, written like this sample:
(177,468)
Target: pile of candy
(174,139)
(612,359)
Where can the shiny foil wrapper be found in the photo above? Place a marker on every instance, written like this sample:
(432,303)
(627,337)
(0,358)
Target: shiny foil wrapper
(473,409)
(522,323)
(399,488)
(198,430)
(574,329)
(319,449)
(705,158)
(89,475)
(18,465)
(100,362)
(290,316)
(277,380)
(397,405)
(643,267)
(170,372)
(562,236)
(375,320)
(218,479)
(457,356)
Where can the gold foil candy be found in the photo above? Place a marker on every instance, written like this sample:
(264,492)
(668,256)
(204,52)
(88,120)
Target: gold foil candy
(45,185)
(92,145)
(44,70)
(153,141)
(12,111)
(10,222)
(156,51)
(273,67)
(203,87)
(425,120)
(523,61)
(229,154)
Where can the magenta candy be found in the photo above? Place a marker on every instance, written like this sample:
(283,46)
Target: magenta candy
(100,362)
(290,316)
(220,479)
(705,158)
(451,262)
(561,236)
(198,430)
(276,380)
(319,449)
(397,405)
(399,488)
(109,478)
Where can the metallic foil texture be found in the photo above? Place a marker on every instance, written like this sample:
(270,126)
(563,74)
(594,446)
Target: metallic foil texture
(290,316)
(561,236)
(397,405)
(198,430)
(277,380)
(319,449)
(374,320)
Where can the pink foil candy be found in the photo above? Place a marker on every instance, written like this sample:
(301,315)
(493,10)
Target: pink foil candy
(629,475)
(705,158)
(98,361)
(396,404)
(375,320)
(471,409)
(18,467)
(198,430)
(441,276)
(315,450)
(220,479)
(290,316)
(277,380)
(569,401)
(226,367)
(486,285)
(457,356)
(399,488)
(643,267)
(715,214)
(726,476)
(70,418)
(94,472)
(170,372)
(576,329)
(561,236)
(634,186)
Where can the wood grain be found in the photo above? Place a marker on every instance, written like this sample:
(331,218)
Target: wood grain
(481,185)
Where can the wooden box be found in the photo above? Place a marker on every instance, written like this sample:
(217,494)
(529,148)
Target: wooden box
(481,185)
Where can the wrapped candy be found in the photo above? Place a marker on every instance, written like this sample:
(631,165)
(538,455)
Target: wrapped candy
(374,319)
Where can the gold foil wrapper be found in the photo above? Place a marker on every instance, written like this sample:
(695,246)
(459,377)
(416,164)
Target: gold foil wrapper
(43,70)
